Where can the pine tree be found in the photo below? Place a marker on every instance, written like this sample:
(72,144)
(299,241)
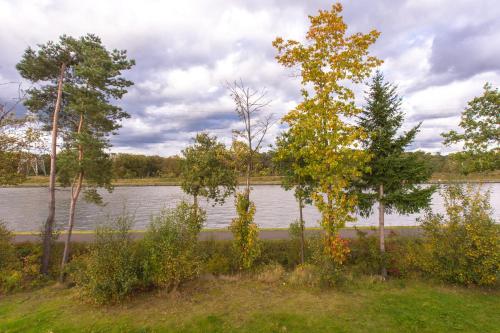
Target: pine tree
(394,177)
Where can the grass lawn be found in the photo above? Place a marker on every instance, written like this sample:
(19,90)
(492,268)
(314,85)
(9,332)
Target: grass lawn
(248,306)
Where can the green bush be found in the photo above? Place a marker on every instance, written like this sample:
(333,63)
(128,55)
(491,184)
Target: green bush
(10,276)
(170,246)
(365,256)
(463,246)
(112,269)
(245,232)
(7,250)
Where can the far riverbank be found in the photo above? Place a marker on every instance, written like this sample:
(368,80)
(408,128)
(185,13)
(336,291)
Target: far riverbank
(438,178)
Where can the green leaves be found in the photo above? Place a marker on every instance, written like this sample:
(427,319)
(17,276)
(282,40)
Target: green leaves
(481,137)
(207,169)
(324,143)
(399,172)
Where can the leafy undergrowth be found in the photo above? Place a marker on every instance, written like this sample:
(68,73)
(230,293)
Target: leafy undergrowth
(245,305)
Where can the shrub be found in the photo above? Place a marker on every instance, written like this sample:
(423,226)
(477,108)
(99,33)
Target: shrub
(112,269)
(170,246)
(270,273)
(329,255)
(365,256)
(464,245)
(19,264)
(304,275)
(245,232)
(9,275)
(7,250)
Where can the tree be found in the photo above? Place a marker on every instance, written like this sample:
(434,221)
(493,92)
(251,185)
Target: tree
(206,170)
(50,66)
(290,163)
(11,141)
(91,118)
(323,135)
(250,104)
(481,133)
(69,74)
(394,176)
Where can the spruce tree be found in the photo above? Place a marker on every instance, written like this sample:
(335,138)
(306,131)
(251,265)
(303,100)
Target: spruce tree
(394,177)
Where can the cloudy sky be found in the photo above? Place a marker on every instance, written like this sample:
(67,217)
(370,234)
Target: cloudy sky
(439,53)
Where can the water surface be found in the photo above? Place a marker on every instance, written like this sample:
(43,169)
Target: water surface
(25,209)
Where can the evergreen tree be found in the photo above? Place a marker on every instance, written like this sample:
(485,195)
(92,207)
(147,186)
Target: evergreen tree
(51,68)
(395,176)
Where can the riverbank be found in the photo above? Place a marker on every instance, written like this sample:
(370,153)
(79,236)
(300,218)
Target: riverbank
(222,234)
(438,178)
(241,304)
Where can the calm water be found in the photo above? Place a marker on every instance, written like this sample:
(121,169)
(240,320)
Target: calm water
(25,209)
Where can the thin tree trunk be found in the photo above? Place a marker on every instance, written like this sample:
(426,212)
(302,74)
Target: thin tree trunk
(75,193)
(49,223)
(381,211)
(71,222)
(302,241)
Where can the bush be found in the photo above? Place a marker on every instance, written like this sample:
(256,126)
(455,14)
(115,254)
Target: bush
(7,250)
(19,264)
(329,255)
(365,256)
(304,275)
(464,245)
(9,274)
(218,264)
(270,273)
(112,269)
(246,232)
(170,246)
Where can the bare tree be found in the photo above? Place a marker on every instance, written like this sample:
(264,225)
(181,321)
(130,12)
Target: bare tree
(250,105)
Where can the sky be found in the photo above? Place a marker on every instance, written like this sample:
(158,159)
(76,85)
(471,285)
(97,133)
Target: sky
(438,53)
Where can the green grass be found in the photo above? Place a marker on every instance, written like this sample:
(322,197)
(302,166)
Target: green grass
(248,306)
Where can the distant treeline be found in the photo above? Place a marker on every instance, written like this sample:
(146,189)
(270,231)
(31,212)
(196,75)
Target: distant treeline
(126,166)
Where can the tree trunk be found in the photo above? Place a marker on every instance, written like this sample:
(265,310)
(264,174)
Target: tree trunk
(381,211)
(71,222)
(49,223)
(75,193)
(302,241)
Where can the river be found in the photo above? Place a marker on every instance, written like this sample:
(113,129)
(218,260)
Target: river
(25,209)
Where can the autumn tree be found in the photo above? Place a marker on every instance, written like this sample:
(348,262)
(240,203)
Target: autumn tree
(290,163)
(325,137)
(481,133)
(393,178)
(207,171)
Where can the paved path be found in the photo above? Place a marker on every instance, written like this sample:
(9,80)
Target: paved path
(226,235)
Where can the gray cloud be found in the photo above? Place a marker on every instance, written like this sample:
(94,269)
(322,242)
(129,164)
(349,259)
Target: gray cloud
(439,53)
